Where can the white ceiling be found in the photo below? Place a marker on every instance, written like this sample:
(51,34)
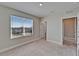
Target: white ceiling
(41,11)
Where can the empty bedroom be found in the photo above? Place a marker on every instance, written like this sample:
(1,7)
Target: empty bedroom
(39,28)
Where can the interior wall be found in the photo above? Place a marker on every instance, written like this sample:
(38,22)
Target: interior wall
(55,26)
(5,40)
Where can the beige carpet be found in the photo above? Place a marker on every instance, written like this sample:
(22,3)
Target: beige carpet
(41,48)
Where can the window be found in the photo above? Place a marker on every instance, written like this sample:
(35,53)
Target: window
(21,26)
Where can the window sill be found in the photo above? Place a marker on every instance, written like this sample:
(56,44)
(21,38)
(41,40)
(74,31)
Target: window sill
(19,36)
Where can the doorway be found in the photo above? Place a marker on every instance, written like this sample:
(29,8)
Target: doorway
(43,30)
(70,32)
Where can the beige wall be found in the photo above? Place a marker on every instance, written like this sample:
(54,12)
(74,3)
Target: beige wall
(5,40)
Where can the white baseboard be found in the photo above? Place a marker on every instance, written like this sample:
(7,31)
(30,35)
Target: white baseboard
(9,48)
(55,42)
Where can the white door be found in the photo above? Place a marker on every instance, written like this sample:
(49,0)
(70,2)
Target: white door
(43,29)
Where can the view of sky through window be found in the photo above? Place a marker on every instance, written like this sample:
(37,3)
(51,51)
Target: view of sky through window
(20,22)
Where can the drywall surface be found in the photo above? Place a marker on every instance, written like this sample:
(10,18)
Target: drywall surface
(5,40)
(55,26)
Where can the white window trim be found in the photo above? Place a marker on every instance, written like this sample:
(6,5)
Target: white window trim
(23,29)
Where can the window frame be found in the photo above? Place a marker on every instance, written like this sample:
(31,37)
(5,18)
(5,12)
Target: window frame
(22,34)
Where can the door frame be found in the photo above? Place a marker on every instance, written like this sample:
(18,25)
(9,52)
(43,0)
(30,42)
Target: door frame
(46,30)
(75,29)
(45,34)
